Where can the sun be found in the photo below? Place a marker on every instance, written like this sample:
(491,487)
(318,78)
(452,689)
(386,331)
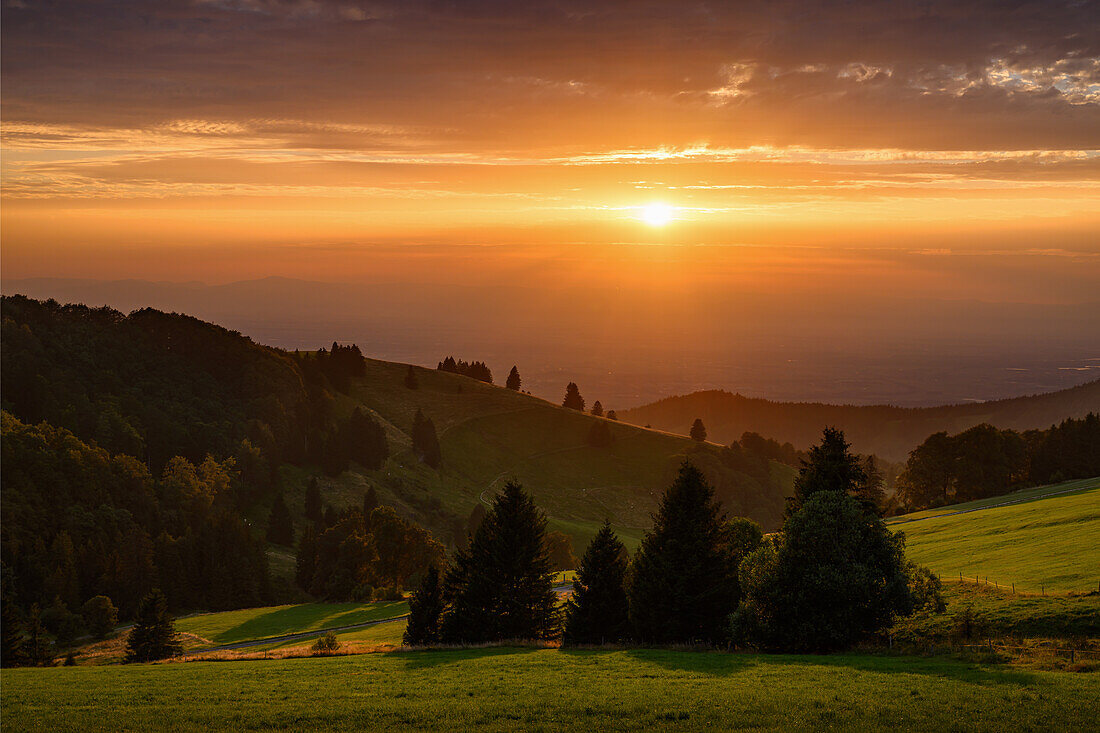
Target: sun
(656,214)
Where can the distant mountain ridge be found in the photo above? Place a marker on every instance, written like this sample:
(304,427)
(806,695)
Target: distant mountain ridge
(887,431)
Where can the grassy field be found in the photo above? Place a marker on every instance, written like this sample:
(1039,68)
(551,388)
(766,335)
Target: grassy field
(549,689)
(247,624)
(1047,544)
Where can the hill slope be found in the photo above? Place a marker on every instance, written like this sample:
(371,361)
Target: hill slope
(1046,540)
(889,432)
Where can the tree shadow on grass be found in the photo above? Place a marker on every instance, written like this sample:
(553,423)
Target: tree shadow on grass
(427,658)
(722,664)
(276,623)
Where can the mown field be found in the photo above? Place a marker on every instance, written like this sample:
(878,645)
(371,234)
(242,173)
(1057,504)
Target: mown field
(1047,544)
(260,623)
(550,689)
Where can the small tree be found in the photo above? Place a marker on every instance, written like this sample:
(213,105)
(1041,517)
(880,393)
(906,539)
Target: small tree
(611,415)
(560,549)
(597,409)
(425,608)
(370,503)
(514,380)
(154,635)
(313,509)
(411,381)
(424,440)
(100,616)
(280,527)
(598,612)
(573,399)
(698,431)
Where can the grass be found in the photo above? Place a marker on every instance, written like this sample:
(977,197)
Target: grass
(1045,545)
(247,624)
(518,688)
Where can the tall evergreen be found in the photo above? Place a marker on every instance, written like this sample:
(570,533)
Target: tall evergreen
(831,466)
(425,608)
(514,380)
(682,586)
(598,612)
(698,431)
(597,409)
(424,440)
(12,641)
(37,649)
(154,635)
(306,562)
(573,399)
(364,441)
(280,527)
(501,586)
(313,507)
(411,382)
(370,503)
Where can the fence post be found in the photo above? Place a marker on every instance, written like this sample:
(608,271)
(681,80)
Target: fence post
(1071,656)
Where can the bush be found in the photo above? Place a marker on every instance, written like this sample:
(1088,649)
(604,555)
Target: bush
(925,589)
(100,616)
(388,593)
(326,643)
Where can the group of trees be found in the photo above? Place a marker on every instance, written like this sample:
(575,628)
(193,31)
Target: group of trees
(833,574)
(360,439)
(425,442)
(475,370)
(985,461)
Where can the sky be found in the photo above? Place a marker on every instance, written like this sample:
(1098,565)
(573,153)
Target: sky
(809,150)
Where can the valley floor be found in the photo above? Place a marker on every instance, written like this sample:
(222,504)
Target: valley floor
(510,688)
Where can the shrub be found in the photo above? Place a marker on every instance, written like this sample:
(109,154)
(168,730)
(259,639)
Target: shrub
(100,616)
(925,589)
(388,593)
(326,643)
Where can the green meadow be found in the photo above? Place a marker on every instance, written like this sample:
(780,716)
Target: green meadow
(519,688)
(1047,544)
(247,624)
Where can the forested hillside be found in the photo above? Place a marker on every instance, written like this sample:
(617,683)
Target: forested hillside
(889,432)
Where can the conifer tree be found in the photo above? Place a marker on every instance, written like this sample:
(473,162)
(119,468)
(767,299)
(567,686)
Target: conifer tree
(12,641)
(573,399)
(831,466)
(501,586)
(306,562)
(514,380)
(611,415)
(698,431)
(424,440)
(425,608)
(37,649)
(100,616)
(411,382)
(280,527)
(597,612)
(682,586)
(313,507)
(597,409)
(154,635)
(370,503)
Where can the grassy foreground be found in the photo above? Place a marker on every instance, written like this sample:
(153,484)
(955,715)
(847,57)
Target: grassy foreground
(546,689)
(1049,544)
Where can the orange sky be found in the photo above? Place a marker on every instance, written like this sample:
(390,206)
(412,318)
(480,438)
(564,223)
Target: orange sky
(936,148)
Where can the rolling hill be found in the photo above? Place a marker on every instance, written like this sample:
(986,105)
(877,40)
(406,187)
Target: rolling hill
(889,432)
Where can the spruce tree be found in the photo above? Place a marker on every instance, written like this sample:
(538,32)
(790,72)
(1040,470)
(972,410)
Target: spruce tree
(611,415)
(280,527)
(514,380)
(598,612)
(501,586)
(154,635)
(424,440)
(411,382)
(682,586)
(698,431)
(12,641)
(597,409)
(573,399)
(38,649)
(831,467)
(313,507)
(425,608)
(306,562)
(370,503)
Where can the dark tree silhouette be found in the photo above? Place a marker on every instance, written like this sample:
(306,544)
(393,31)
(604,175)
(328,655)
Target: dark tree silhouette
(598,612)
(363,440)
(698,431)
(100,616)
(682,587)
(410,378)
(573,399)
(831,466)
(12,640)
(501,586)
(370,502)
(154,635)
(560,549)
(306,562)
(280,527)
(514,380)
(424,441)
(425,608)
(597,409)
(313,507)
(611,415)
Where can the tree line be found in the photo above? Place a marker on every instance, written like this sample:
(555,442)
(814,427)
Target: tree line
(475,370)
(985,461)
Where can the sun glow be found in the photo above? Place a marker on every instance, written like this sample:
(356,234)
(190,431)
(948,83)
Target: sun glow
(656,214)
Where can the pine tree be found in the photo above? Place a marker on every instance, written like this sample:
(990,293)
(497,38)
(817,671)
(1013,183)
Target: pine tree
(573,399)
(13,651)
(411,381)
(698,431)
(306,561)
(514,380)
(424,440)
(314,507)
(38,651)
(370,503)
(280,527)
(830,467)
(598,612)
(425,608)
(870,491)
(154,635)
(501,586)
(682,587)
(597,409)
(611,415)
